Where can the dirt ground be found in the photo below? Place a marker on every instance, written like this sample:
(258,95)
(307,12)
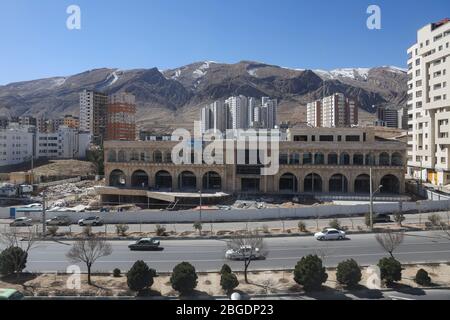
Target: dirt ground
(208,283)
(66,168)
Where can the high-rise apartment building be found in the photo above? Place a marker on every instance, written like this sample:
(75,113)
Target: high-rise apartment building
(93,114)
(314,113)
(239,113)
(214,117)
(429,103)
(332,112)
(121,117)
(390,116)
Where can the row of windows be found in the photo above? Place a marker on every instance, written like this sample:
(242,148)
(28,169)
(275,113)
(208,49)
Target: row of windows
(330,138)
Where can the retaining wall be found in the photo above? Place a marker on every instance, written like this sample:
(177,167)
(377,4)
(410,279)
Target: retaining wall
(189,216)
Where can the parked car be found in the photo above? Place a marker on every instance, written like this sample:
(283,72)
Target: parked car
(330,234)
(144,244)
(59,221)
(10,294)
(243,253)
(381,218)
(22,222)
(90,221)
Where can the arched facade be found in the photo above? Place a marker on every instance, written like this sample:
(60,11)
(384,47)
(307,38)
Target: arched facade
(288,183)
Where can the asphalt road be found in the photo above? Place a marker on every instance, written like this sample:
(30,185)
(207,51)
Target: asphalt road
(208,255)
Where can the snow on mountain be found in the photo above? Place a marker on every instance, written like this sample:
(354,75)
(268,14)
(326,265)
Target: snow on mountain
(202,70)
(352,73)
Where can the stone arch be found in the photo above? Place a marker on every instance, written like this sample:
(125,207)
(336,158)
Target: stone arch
(312,183)
(338,183)
(122,156)
(333,159)
(358,159)
(117,178)
(319,158)
(112,156)
(384,159)
(212,181)
(390,184)
(163,180)
(397,159)
(288,183)
(307,158)
(362,183)
(344,159)
(187,180)
(157,156)
(139,179)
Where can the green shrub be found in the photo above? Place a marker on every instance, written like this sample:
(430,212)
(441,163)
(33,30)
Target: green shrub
(184,278)
(335,223)
(348,273)
(228,282)
(121,229)
(310,273)
(140,276)
(198,226)
(116,273)
(391,270)
(422,278)
(225,269)
(160,230)
(302,226)
(12,260)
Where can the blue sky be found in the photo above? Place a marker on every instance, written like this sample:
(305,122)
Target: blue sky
(325,34)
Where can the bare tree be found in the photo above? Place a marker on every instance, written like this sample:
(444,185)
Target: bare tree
(389,240)
(88,251)
(25,240)
(247,247)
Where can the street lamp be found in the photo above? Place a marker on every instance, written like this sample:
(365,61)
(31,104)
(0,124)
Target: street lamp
(371,199)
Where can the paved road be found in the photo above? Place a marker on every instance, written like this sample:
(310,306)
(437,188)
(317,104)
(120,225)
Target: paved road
(208,255)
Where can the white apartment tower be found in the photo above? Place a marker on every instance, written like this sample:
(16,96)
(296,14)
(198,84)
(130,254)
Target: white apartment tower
(314,113)
(429,104)
(214,117)
(238,110)
(335,111)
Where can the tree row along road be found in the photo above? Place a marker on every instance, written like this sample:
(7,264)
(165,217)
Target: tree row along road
(283,253)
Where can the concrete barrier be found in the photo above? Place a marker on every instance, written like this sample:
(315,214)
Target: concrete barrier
(189,216)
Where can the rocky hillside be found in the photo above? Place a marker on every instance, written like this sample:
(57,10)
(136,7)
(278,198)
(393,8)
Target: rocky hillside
(172,98)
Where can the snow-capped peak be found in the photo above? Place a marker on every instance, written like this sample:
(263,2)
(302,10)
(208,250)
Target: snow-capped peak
(351,73)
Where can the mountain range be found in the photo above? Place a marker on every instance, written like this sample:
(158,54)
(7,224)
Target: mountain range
(167,99)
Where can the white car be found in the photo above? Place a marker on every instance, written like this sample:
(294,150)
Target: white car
(330,234)
(22,222)
(91,221)
(243,253)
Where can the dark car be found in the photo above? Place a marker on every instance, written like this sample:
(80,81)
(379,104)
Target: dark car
(145,244)
(381,218)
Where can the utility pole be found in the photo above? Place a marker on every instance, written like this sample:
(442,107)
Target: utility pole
(44,205)
(371,200)
(200,192)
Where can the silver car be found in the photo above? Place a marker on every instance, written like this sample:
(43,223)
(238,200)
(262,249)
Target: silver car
(22,222)
(330,234)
